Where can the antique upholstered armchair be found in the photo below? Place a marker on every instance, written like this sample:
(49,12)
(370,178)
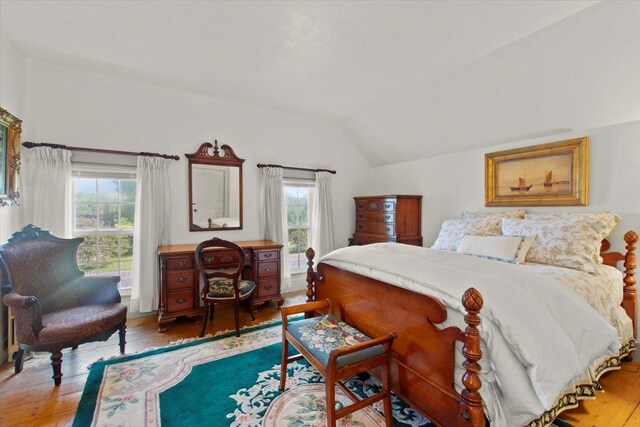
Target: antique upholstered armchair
(55,306)
(222,281)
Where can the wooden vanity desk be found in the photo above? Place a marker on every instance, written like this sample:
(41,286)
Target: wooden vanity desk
(180,280)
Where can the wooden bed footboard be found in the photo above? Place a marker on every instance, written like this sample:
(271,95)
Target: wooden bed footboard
(423,356)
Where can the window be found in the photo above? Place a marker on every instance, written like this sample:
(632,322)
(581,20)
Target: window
(297,199)
(103,213)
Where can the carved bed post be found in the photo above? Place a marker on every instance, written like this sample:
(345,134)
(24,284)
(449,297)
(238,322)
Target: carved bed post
(630,296)
(311,275)
(471,411)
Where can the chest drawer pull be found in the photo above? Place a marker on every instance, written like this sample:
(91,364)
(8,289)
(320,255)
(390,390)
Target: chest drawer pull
(181,300)
(360,226)
(181,263)
(267,287)
(181,278)
(269,255)
(268,269)
(387,216)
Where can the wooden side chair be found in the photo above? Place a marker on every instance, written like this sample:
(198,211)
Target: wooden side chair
(338,351)
(55,305)
(222,283)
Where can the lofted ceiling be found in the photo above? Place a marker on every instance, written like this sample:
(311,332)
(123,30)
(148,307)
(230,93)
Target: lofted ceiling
(403,80)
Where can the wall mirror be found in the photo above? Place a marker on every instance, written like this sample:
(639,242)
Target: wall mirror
(215,188)
(10,130)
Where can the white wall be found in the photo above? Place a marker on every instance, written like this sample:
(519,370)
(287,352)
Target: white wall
(12,99)
(454,183)
(79,108)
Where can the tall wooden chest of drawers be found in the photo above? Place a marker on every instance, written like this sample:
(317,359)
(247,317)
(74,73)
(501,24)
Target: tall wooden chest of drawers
(396,218)
(180,280)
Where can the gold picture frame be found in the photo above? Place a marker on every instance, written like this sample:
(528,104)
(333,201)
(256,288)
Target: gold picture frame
(554,174)
(10,133)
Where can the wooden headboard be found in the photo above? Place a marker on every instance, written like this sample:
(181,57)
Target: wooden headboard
(630,296)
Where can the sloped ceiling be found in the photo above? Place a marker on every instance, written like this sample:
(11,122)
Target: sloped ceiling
(403,80)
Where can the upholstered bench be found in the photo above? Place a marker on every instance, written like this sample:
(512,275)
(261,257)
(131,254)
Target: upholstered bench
(338,351)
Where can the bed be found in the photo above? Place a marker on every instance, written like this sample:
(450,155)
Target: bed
(437,362)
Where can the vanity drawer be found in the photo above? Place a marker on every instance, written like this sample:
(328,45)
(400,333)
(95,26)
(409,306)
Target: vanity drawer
(375,216)
(215,259)
(375,228)
(267,287)
(180,279)
(179,263)
(268,255)
(266,269)
(180,301)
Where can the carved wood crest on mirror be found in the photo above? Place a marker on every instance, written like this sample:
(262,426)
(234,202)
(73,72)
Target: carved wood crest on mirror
(10,130)
(215,188)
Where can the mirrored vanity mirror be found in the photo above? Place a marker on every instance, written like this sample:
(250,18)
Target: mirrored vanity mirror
(215,188)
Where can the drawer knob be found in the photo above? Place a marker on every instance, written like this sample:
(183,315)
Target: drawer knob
(360,226)
(181,300)
(209,258)
(387,216)
(387,206)
(268,269)
(387,229)
(268,255)
(267,287)
(182,263)
(226,259)
(181,278)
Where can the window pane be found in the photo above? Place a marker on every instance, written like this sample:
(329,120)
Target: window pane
(126,261)
(86,216)
(108,189)
(291,195)
(127,212)
(88,255)
(303,195)
(85,203)
(297,215)
(108,255)
(128,190)
(109,215)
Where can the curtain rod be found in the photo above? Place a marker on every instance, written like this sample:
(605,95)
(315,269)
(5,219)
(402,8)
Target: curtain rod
(263,165)
(28,144)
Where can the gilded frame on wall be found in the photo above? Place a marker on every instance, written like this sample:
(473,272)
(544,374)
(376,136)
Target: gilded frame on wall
(10,132)
(554,174)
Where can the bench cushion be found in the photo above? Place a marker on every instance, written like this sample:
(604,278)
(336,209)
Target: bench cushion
(321,335)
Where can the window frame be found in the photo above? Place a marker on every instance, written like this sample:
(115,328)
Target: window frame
(298,182)
(115,173)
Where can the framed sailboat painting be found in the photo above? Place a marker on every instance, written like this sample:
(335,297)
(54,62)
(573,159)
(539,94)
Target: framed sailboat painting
(554,174)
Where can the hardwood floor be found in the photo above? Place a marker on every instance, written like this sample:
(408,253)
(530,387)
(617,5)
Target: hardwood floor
(30,399)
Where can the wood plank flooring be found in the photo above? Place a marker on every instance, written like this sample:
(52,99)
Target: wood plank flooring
(30,399)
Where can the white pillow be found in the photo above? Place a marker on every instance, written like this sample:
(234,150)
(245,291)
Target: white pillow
(501,248)
(453,230)
(520,213)
(572,243)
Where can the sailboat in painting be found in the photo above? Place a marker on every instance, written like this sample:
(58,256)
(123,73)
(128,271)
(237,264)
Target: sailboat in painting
(522,183)
(548,179)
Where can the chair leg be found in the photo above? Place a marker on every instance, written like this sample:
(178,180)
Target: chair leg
(205,317)
(75,347)
(212,307)
(283,364)
(56,363)
(237,317)
(122,331)
(331,401)
(19,360)
(252,309)
(388,411)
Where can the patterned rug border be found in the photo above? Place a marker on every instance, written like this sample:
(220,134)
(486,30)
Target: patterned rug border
(87,404)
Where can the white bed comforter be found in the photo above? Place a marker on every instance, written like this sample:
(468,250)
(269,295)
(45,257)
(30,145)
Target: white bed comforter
(537,337)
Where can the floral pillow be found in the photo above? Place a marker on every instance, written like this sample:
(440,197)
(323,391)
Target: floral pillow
(453,231)
(520,213)
(565,242)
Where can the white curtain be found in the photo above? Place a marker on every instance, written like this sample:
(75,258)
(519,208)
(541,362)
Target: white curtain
(46,189)
(321,216)
(274,219)
(152,223)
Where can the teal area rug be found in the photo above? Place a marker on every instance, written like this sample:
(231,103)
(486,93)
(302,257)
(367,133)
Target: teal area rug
(220,381)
